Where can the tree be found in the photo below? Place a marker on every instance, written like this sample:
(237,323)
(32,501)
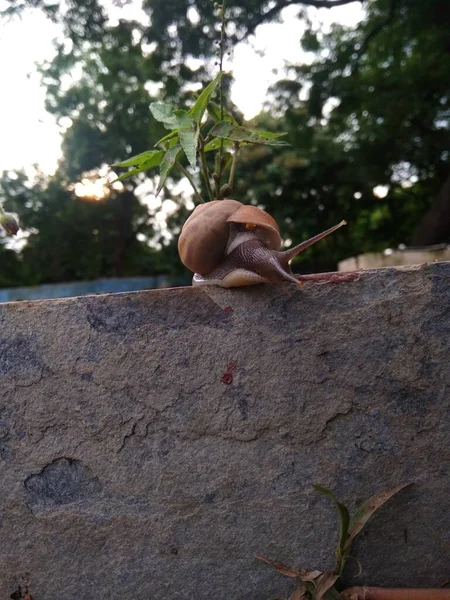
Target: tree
(376,112)
(73,239)
(390,78)
(106,109)
(372,109)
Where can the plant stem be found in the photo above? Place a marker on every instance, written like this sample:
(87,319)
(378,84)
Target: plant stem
(190,179)
(217,178)
(233,164)
(205,170)
(222,38)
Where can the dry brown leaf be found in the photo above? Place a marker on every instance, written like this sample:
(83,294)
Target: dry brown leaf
(299,594)
(366,510)
(280,567)
(324,583)
(309,575)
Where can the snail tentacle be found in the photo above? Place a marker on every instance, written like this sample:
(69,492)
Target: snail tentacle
(293,252)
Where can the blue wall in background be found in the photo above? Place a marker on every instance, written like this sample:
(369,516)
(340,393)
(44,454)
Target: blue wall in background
(81,288)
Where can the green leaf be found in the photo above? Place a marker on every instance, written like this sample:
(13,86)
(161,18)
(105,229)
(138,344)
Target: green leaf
(147,156)
(162,112)
(198,110)
(367,509)
(215,144)
(154,160)
(215,112)
(236,133)
(183,119)
(344,517)
(168,162)
(167,138)
(189,143)
(171,118)
(272,135)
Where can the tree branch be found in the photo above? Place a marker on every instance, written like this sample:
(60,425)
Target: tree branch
(190,179)
(376,30)
(285,3)
(204,169)
(233,164)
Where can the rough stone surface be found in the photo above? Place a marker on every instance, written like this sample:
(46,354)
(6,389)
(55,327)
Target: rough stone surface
(152,443)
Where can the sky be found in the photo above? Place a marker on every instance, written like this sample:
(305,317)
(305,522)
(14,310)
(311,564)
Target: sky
(28,135)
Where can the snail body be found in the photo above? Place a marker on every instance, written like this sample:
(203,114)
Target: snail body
(229,244)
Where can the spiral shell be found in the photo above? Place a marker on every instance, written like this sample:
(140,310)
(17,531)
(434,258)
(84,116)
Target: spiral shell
(205,235)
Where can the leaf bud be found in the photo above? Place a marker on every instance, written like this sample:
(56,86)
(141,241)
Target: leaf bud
(215,176)
(9,223)
(225,190)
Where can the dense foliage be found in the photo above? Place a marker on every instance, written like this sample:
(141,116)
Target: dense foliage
(373,108)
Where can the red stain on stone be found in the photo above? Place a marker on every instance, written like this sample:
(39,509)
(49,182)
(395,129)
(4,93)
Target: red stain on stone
(228,309)
(227,375)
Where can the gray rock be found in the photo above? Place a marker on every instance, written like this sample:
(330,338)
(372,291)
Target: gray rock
(151,444)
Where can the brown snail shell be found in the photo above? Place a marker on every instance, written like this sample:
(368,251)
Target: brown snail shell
(206,234)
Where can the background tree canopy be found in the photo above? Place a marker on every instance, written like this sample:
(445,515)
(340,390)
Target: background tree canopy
(371,109)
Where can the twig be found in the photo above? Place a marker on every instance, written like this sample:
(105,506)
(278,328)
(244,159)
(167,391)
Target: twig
(190,179)
(285,3)
(205,170)
(374,32)
(233,164)
(222,38)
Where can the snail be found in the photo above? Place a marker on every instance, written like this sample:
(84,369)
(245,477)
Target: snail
(230,244)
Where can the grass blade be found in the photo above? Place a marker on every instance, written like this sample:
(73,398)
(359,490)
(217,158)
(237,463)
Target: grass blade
(344,517)
(367,509)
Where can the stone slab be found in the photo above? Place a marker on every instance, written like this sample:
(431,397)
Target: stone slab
(152,443)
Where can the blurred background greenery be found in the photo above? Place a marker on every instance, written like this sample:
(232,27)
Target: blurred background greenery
(367,113)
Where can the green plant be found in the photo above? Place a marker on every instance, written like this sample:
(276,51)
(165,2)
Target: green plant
(206,127)
(315,585)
